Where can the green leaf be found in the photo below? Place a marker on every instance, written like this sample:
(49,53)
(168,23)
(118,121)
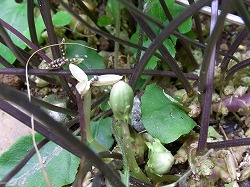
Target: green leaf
(186,26)
(229,185)
(152,63)
(105,20)
(154,8)
(161,118)
(61,18)
(92,60)
(102,132)
(6,54)
(15,14)
(168,43)
(105,105)
(39,28)
(111,7)
(60,165)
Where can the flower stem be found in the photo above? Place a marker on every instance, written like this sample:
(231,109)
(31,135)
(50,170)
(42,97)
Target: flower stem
(130,155)
(117,134)
(89,137)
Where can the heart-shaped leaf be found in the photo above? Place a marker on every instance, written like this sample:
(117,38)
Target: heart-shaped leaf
(161,118)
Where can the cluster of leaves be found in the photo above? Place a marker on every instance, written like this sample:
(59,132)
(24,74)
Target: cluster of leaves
(16,15)
(165,23)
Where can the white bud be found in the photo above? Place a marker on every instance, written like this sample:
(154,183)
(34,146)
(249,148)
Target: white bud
(78,73)
(108,79)
(83,87)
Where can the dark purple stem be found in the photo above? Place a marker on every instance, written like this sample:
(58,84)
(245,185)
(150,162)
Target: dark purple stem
(20,71)
(206,78)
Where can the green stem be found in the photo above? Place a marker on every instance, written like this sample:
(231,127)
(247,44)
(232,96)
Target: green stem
(130,155)
(89,136)
(117,134)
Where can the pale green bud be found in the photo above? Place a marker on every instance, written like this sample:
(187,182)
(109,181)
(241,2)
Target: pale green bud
(160,160)
(121,100)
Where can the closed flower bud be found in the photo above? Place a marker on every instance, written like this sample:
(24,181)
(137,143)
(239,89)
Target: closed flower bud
(104,80)
(121,100)
(160,160)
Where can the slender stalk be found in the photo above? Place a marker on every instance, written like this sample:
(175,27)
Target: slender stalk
(170,60)
(197,24)
(81,116)
(206,78)
(229,143)
(141,33)
(130,155)
(31,21)
(90,14)
(45,12)
(89,137)
(233,48)
(44,7)
(243,12)
(80,174)
(11,45)
(185,45)
(117,134)
(20,71)
(25,40)
(237,67)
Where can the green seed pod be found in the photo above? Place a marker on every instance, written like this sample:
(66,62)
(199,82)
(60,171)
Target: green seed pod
(160,160)
(121,100)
